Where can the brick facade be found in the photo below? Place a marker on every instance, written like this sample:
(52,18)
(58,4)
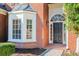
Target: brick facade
(42,29)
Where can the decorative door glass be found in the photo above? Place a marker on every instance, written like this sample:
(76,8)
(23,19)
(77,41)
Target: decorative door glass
(57,32)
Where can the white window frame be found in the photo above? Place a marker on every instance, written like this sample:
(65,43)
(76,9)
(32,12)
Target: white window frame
(29,30)
(23,15)
(11,17)
(31,15)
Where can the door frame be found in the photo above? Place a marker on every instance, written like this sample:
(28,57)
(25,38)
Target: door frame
(52,31)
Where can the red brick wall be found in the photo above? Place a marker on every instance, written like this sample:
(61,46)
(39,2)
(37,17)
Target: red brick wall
(39,24)
(45,28)
(3,27)
(71,41)
(41,29)
(42,26)
(26,45)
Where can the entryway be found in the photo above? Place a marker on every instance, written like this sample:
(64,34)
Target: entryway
(56,29)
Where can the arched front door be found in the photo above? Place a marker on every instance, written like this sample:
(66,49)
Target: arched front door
(57,31)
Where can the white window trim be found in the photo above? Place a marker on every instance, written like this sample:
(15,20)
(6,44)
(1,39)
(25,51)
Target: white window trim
(10,26)
(23,25)
(33,17)
(28,29)
(66,38)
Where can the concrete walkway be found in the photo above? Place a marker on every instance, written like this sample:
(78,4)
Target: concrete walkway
(54,52)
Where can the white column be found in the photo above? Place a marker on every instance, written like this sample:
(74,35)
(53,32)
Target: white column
(66,39)
(77,44)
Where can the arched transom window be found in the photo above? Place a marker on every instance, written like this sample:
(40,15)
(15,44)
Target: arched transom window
(57,17)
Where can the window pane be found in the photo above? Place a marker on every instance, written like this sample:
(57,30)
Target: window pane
(30,26)
(16,29)
(17,21)
(30,21)
(19,31)
(16,26)
(14,22)
(14,36)
(29,29)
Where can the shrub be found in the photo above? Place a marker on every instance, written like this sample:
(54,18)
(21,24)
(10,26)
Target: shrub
(7,49)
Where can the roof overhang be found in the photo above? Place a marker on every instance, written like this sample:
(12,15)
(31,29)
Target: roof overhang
(21,11)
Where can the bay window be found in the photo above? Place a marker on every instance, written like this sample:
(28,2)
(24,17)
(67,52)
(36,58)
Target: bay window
(22,26)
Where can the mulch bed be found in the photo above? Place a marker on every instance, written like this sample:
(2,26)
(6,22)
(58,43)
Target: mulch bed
(28,52)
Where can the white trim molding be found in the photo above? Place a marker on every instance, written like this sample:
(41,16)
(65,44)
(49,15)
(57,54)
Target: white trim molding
(77,44)
(66,38)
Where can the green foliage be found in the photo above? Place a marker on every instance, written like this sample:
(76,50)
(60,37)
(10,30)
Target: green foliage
(7,49)
(72,16)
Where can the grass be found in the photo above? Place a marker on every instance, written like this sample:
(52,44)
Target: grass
(70,54)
